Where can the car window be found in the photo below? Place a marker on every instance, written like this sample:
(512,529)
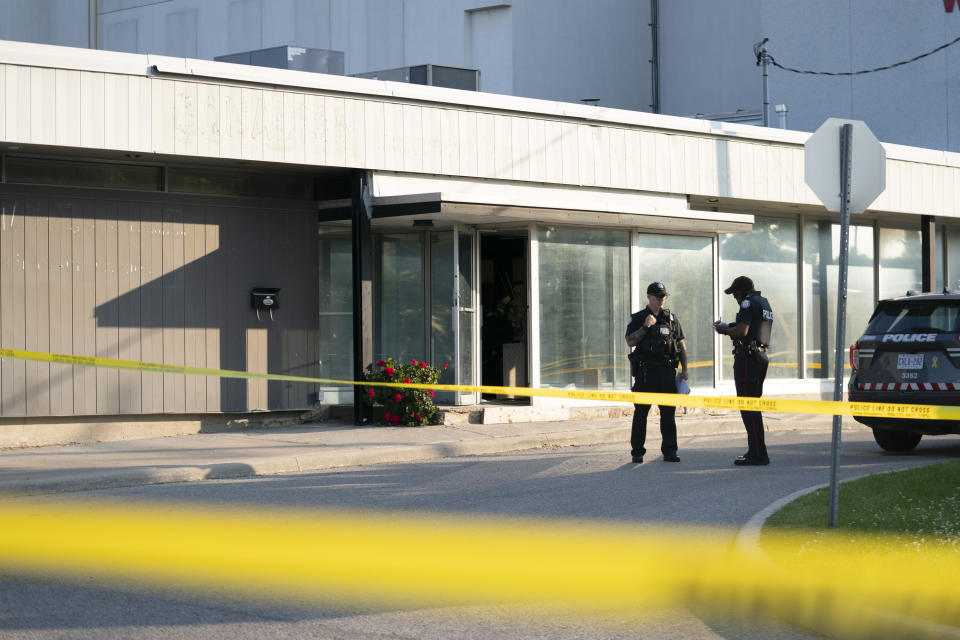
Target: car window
(916,317)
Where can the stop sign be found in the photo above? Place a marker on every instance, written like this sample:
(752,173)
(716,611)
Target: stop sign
(868,168)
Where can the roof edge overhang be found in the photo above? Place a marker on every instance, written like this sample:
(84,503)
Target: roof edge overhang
(480,201)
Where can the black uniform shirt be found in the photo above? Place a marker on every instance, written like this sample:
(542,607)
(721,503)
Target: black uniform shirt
(755,311)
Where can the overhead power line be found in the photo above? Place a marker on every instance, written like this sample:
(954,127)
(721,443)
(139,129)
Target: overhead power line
(773,61)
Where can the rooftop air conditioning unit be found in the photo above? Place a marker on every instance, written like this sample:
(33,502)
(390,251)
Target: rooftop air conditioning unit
(288,57)
(434,75)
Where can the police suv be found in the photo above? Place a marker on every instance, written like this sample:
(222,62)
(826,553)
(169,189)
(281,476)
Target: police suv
(909,354)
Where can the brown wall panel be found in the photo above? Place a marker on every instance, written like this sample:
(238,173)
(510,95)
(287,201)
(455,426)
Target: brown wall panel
(159,279)
(13,311)
(84,306)
(61,305)
(128,309)
(37,303)
(151,304)
(195,350)
(215,280)
(174,386)
(107,287)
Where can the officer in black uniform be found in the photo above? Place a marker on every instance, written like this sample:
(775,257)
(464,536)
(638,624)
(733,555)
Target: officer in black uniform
(751,337)
(658,341)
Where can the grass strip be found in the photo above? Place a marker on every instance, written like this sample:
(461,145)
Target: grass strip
(921,502)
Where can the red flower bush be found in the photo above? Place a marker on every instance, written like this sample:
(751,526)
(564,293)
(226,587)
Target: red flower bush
(409,406)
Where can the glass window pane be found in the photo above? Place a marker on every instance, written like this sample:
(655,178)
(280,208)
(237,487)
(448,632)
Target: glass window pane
(83,174)
(240,183)
(900,268)
(467,309)
(584,306)
(768,256)
(684,264)
(336,307)
(441,307)
(953,258)
(400,301)
(938,253)
(821,251)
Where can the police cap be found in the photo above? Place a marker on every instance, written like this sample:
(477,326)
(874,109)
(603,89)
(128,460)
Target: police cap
(657,289)
(741,284)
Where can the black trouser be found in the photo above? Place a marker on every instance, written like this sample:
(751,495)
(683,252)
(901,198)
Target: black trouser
(749,373)
(654,380)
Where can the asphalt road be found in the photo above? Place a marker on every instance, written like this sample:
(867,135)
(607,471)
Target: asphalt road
(577,483)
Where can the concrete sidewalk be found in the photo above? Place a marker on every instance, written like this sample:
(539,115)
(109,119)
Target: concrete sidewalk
(313,447)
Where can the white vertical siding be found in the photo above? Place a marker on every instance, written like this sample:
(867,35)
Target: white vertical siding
(99,110)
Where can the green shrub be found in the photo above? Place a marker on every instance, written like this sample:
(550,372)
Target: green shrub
(403,405)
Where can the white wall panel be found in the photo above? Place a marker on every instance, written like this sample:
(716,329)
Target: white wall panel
(486,163)
(601,155)
(412,138)
(251,124)
(208,120)
(393,134)
(68,115)
(538,151)
(570,144)
(3,101)
(585,155)
(293,127)
(467,123)
(116,111)
(163,109)
(140,109)
(373,135)
(315,129)
(633,141)
(354,133)
(43,96)
(553,148)
(231,122)
(273,126)
(92,109)
(520,148)
(502,148)
(450,141)
(618,158)
(432,158)
(335,121)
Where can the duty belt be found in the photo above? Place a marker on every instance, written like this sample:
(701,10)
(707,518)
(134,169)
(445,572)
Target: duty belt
(749,350)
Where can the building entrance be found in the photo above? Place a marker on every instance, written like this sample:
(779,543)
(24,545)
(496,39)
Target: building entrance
(504,292)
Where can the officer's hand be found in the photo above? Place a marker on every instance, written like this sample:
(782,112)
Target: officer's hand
(720,327)
(650,321)
(684,375)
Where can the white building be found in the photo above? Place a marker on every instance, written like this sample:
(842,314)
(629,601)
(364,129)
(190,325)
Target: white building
(571,50)
(143,198)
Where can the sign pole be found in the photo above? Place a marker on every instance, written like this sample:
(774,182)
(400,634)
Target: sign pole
(846,143)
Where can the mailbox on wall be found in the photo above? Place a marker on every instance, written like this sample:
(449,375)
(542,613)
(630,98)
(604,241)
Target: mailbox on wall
(265,299)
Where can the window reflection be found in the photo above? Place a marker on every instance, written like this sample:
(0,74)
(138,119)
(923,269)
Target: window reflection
(584,307)
(685,265)
(821,251)
(900,268)
(768,255)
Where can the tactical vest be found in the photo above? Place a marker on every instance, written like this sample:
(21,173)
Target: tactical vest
(659,346)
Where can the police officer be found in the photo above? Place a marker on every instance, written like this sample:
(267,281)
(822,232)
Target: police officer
(751,337)
(658,341)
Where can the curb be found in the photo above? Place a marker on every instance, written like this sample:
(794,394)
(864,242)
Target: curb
(321,459)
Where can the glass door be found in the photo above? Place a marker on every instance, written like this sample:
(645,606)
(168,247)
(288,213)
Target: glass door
(465,311)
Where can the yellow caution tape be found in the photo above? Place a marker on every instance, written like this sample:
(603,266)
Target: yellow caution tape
(779,405)
(374,558)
